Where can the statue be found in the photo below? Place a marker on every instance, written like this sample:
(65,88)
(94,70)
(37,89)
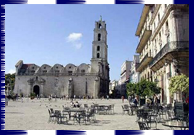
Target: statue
(100,18)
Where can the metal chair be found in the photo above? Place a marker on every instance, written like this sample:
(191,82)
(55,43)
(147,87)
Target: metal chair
(51,115)
(60,117)
(125,109)
(143,125)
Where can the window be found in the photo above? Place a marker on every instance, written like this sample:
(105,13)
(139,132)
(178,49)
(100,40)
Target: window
(69,72)
(158,18)
(98,48)
(44,71)
(168,39)
(69,67)
(99,37)
(82,72)
(44,67)
(99,26)
(98,55)
(57,71)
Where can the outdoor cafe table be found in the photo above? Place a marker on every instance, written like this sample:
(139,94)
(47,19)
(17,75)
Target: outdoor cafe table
(176,124)
(103,108)
(74,110)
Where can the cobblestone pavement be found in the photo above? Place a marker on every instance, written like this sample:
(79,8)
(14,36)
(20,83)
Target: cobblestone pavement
(29,114)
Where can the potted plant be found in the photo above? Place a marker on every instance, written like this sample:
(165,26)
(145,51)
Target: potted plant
(32,95)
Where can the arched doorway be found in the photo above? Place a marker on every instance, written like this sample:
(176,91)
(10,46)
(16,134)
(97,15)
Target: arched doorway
(36,90)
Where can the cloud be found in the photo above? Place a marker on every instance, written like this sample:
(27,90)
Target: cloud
(74,37)
(11,71)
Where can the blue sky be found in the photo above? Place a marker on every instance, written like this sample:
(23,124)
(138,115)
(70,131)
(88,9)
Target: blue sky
(51,34)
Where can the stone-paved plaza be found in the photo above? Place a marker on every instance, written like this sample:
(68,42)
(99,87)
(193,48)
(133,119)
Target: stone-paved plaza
(33,115)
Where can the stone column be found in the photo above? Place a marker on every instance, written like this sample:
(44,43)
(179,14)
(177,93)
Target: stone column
(96,87)
(41,89)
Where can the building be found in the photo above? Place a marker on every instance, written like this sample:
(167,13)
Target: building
(125,72)
(113,84)
(163,32)
(83,80)
(134,75)
(113,89)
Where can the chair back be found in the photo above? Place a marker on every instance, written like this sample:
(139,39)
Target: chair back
(85,105)
(126,106)
(143,125)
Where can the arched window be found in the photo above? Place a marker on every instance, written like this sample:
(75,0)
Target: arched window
(98,48)
(99,37)
(99,26)
(83,72)
(98,55)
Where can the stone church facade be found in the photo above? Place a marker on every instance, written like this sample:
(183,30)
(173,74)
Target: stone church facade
(83,80)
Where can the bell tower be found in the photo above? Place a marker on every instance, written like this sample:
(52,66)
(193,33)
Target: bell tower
(99,47)
(99,61)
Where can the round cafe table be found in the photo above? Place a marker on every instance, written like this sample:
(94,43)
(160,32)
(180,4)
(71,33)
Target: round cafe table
(176,124)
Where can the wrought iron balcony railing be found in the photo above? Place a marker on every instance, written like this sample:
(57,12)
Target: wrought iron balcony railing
(144,62)
(174,46)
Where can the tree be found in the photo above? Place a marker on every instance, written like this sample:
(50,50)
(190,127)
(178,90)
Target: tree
(131,88)
(179,83)
(9,81)
(143,88)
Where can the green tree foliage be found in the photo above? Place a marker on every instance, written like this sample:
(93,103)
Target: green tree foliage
(143,88)
(9,81)
(179,83)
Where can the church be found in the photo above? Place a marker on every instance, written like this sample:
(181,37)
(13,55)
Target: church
(83,80)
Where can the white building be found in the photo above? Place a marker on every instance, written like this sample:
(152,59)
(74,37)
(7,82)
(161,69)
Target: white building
(134,75)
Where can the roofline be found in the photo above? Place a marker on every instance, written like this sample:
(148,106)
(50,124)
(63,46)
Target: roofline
(143,18)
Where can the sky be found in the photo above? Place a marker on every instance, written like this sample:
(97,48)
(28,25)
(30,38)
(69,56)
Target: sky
(62,34)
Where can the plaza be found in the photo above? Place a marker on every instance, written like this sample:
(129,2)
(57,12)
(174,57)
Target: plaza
(39,85)
(33,114)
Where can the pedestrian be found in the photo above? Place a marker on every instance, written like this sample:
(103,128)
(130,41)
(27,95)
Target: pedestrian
(155,98)
(129,99)
(55,97)
(74,97)
(187,100)
(107,97)
(67,97)
(135,101)
(122,99)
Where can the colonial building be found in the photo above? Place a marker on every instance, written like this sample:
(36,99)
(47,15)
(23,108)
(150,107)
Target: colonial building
(83,80)
(163,32)
(134,75)
(125,72)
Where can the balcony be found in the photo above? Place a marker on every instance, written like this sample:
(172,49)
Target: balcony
(174,49)
(145,61)
(146,35)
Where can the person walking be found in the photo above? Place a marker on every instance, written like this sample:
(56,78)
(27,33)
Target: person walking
(122,99)
(135,101)
(129,99)
(55,97)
